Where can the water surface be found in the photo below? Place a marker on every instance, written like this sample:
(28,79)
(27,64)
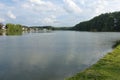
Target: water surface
(51,56)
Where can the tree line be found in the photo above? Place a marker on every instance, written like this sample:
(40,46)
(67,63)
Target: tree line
(103,22)
(11,29)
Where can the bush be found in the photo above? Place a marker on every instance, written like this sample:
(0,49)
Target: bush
(13,27)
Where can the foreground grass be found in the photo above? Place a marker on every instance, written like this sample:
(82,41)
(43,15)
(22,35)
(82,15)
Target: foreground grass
(107,68)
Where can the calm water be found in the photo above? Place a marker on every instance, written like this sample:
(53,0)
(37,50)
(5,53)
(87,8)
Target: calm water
(51,56)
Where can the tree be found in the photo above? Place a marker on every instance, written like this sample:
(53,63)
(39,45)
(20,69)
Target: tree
(103,22)
(13,27)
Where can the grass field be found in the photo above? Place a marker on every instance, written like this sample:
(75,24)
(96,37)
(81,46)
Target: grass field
(107,68)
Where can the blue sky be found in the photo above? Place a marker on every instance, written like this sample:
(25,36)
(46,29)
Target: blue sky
(53,12)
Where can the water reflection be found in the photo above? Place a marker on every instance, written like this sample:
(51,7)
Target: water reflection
(51,56)
(18,33)
(2,33)
(8,33)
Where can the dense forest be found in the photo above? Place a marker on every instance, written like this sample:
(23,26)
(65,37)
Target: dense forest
(103,22)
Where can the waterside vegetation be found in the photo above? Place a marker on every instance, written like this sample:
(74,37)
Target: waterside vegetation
(107,68)
(104,22)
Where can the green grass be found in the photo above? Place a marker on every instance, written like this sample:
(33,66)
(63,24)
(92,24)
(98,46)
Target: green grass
(107,68)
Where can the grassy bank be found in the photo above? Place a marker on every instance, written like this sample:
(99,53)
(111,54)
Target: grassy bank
(107,68)
(116,44)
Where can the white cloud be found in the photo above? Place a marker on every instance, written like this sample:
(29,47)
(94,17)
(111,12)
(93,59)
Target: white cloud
(100,6)
(11,15)
(42,10)
(49,20)
(92,8)
(42,7)
(39,5)
(38,12)
(72,6)
(41,2)
(113,5)
(25,5)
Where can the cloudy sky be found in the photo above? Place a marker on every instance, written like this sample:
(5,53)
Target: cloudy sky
(53,12)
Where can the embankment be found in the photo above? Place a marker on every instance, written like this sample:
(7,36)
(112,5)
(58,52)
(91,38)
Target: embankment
(107,68)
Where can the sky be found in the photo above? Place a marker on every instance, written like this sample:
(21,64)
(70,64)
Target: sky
(58,13)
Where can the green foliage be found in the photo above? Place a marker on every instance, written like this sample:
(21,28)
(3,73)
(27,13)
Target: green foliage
(103,22)
(13,27)
(107,68)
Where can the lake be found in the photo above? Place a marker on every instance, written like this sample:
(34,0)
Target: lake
(51,56)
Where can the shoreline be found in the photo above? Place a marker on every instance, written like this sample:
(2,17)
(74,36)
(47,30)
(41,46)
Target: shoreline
(107,68)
